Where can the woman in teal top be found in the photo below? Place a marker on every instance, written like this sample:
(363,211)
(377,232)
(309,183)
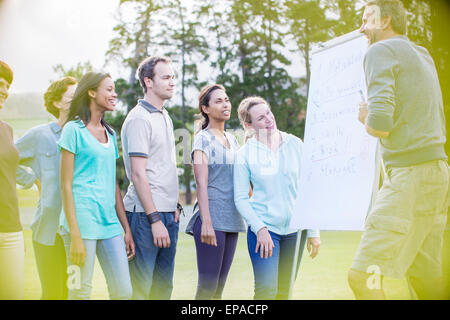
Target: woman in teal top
(94,216)
(269,163)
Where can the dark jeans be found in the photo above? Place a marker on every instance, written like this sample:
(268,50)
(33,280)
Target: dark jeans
(273,275)
(52,268)
(152,268)
(213,262)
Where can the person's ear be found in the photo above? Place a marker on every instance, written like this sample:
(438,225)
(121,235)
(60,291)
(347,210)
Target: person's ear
(205,109)
(386,23)
(148,82)
(57,105)
(248,125)
(92,94)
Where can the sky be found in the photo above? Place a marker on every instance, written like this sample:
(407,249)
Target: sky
(36,35)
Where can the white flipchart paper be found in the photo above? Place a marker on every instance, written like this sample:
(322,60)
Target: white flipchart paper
(338,164)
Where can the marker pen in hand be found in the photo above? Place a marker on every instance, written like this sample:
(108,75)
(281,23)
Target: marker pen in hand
(363,99)
(362,115)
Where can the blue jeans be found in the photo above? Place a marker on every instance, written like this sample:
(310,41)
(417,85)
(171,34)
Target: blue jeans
(273,275)
(152,268)
(111,254)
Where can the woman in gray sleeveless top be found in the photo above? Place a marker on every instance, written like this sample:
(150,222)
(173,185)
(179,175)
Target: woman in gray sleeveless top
(216,222)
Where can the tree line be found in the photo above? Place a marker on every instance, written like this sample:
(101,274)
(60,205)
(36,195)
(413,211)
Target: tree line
(245,44)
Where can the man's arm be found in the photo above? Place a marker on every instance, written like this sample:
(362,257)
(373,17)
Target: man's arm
(140,181)
(27,152)
(26,179)
(362,116)
(376,133)
(381,67)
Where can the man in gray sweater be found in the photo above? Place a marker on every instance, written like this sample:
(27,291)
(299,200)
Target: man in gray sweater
(405,227)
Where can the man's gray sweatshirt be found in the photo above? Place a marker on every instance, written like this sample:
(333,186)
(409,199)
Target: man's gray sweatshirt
(405,99)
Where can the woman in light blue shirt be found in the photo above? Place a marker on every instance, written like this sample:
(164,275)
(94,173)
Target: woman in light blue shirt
(38,150)
(94,218)
(269,164)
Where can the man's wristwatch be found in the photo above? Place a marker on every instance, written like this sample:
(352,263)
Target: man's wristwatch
(154,217)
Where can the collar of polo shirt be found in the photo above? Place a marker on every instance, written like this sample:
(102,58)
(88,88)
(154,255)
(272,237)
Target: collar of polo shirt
(149,107)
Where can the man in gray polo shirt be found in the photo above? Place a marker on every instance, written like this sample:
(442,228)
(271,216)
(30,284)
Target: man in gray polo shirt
(405,227)
(151,200)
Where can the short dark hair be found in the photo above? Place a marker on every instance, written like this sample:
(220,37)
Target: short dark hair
(6,72)
(55,92)
(147,68)
(393,9)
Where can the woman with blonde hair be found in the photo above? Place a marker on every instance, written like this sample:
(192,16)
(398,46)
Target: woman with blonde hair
(270,163)
(216,222)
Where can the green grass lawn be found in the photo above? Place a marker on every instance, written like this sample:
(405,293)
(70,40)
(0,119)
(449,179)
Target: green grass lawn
(321,278)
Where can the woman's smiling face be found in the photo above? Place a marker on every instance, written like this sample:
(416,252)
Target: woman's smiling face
(106,95)
(262,118)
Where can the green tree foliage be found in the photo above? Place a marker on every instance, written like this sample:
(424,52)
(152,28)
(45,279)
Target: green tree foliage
(181,41)
(244,42)
(267,75)
(347,13)
(251,59)
(77,71)
(308,26)
(133,42)
(215,17)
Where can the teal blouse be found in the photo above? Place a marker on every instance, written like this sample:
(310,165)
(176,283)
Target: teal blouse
(94,182)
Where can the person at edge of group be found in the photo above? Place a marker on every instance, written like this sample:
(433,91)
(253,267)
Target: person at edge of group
(405,228)
(38,150)
(269,163)
(12,254)
(94,216)
(216,223)
(151,201)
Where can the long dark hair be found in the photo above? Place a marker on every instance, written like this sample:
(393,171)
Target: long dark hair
(203,100)
(79,106)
